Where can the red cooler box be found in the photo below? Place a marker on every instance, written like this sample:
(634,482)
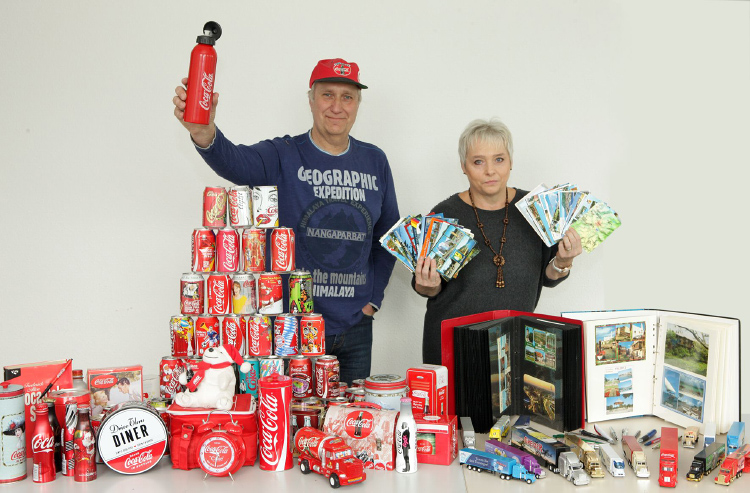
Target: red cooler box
(189,427)
(367,429)
(428,388)
(437,439)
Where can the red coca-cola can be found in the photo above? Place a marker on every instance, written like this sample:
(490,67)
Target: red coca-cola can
(327,377)
(285,335)
(301,371)
(270,294)
(244,294)
(266,207)
(204,250)
(215,207)
(191,366)
(219,287)
(282,250)
(207,333)
(191,293)
(182,333)
(313,333)
(170,370)
(233,329)
(227,250)
(240,207)
(254,250)
(275,449)
(259,335)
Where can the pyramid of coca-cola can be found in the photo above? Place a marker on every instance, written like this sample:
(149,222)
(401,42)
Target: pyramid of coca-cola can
(229,294)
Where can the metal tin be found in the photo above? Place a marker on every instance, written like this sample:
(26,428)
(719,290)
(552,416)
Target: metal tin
(285,335)
(259,336)
(300,292)
(327,377)
(266,207)
(312,335)
(270,365)
(336,401)
(244,294)
(283,255)
(13,438)
(240,207)
(249,380)
(301,371)
(227,250)
(214,207)
(207,333)
(355,395)
(254,250)
(181,333)
(132,438)
(203,242)
(270,294)
(191,293)
(219,292)
(386,390)
(170,370)
(67,402)
(233,329)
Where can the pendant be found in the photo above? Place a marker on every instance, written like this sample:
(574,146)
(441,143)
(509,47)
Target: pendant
(498,260)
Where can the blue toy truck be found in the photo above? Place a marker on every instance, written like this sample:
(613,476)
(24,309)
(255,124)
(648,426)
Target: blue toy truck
(505,467)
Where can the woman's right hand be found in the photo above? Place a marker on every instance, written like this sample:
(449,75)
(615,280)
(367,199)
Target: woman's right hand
(427,279)
(203,135)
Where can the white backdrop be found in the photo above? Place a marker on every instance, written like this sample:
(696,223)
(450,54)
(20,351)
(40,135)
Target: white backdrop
(644,104)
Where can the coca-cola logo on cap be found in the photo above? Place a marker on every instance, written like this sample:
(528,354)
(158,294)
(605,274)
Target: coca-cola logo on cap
(359,424)
(103,381)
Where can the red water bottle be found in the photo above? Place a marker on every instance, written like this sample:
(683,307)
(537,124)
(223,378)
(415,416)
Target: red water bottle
(43,446)
(202,76)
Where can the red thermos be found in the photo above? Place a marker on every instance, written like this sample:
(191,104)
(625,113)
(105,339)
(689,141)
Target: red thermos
(202,75)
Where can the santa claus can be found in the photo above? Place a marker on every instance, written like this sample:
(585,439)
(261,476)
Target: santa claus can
(270,294)
(240,207)
(13,437)
(215,207)
(282,250)
(313,334)
(274,427)
(266,207)
(191,294)
(233,329)
(84,447)
(170,370)
(207,333)
(227,250)
(244,294)
(285,335)
(254,250)
(259,335)
(219,287)
(181,332)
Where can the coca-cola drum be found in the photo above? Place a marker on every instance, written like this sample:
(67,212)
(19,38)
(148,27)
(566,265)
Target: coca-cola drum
(275,441)
(132,438)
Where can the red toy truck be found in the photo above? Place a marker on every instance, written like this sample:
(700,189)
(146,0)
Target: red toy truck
(734,465)
(668,457)
(328,455)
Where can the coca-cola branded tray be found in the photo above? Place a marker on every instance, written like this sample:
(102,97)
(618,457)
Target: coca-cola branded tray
(367,429)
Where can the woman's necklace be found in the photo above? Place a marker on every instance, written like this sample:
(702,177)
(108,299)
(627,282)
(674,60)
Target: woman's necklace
(498,259)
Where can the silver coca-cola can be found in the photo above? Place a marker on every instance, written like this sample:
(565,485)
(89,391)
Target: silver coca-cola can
(274,437)
(233,329)
(244,294)
(219,287)
(282,250)
(227,250)
(240,207)
(266,207)
(191,293)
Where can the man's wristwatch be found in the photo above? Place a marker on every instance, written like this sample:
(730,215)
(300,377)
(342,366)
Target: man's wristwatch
(557,269)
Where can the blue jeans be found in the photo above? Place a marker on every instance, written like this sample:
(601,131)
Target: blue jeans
(353,348)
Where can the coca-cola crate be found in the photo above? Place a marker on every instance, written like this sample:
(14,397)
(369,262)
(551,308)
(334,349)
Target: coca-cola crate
(437,439)
(188,427)
(367,429)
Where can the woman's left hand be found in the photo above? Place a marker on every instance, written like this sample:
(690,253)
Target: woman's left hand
(568,248)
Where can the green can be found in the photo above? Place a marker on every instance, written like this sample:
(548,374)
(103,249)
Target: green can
(300,292)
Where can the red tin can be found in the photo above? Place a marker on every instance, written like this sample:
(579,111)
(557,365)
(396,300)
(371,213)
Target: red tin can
(301,371)
(270,294)
(219,287)
(300,292)
(266,207)
(244,294)
(227,250)
(274,426)
(259,341)
(182,333)
(327,377)
(270,365)
(215,207)
(336,401)
(254,250)
(313,334)
(233,329)
(204,250)
(285,335)
(170,370)
(240,207)
(282,250)
(191,293)
(191,366)
(207,333)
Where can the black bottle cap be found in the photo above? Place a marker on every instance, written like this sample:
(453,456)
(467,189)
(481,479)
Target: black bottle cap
(211,32)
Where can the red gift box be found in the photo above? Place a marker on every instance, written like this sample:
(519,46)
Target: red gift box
(437,439)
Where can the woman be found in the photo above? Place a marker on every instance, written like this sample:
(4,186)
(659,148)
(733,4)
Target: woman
(513,263)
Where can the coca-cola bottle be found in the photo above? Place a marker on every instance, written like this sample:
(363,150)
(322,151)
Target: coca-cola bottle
(43,446)
(57,431)
(406,433)
(85,447)
(202,75)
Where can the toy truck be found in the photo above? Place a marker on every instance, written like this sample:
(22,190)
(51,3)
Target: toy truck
(668,457)
(524,458)
(690,438)
(706,460)
(505,467)
(539,445)
(329,456)
(572,469)
(635,456)
(736,436)
(709,434)
(611,461)
(586,454)
(501,428)
(733,466)
(467,432)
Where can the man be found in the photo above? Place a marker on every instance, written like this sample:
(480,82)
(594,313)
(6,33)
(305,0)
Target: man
(337,194)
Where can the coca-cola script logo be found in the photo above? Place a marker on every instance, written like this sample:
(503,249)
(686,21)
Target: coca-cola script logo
(217,455)
(281,245)
(308,444)
(229,242)
(424,447)
(104,381)
(359,424)
(230,332)
(137,462)
(43,443)
(272,430)
(219,292)
(254,335)
(207,83)
(20,455)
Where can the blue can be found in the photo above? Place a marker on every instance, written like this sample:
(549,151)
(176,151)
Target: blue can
(249,380)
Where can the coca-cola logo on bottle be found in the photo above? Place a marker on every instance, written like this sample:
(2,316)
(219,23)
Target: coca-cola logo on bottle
(358,424)
(41,443)
(138,461)
(104,381)
(270,441)
(207,83)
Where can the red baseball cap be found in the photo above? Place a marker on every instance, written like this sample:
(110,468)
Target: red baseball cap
(336,70)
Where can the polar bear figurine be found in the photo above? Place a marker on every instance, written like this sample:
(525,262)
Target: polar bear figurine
(213,383)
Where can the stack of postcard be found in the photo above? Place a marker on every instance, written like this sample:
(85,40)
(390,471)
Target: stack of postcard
(551,211)
(433,236)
